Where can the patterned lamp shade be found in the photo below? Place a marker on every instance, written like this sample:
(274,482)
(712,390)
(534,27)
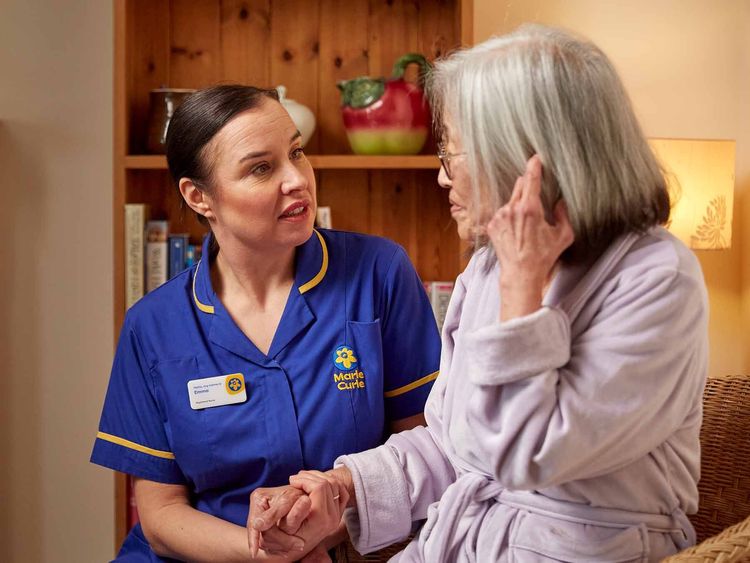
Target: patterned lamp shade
(701,184)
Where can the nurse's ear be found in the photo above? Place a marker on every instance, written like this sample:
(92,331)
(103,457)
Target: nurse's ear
(196,198)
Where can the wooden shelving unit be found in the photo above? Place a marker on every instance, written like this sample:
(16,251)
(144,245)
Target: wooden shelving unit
(306,45)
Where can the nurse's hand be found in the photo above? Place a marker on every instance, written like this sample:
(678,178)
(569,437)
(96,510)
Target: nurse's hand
(278,512)
(527,246)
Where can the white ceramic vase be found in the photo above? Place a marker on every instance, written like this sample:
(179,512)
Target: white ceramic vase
(301,115)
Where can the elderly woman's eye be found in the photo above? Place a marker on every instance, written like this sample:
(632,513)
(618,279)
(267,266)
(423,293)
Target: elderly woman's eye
(297,153)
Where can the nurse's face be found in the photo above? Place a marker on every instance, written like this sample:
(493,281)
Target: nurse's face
(454,176)
(263,187)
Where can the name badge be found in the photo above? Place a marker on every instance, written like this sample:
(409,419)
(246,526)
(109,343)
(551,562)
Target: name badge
(217,391)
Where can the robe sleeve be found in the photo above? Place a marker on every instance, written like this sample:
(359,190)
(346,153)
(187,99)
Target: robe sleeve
(548,409)
(395,483)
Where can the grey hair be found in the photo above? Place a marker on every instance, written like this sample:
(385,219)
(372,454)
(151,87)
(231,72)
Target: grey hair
(541,90)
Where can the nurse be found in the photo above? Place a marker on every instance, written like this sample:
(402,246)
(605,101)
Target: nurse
(284,348)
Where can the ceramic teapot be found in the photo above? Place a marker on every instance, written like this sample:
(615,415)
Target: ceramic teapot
(387,115)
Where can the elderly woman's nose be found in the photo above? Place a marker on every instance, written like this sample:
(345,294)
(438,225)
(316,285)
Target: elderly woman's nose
(443,180)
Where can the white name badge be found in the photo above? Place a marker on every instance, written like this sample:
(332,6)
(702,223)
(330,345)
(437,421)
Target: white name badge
(217,391)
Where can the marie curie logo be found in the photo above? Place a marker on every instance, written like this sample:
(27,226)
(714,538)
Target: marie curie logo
(234,383)
(344,358)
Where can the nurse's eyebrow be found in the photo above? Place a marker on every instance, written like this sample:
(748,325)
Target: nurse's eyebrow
(251,155)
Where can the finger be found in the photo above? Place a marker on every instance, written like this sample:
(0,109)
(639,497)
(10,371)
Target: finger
(301,510)
(323,490)
(515,196)
(258,503)
(253,541)
(277,541)
(279,506)
(533,175)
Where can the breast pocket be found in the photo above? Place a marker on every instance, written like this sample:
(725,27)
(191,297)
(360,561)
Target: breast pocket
(542,539)
(364,381)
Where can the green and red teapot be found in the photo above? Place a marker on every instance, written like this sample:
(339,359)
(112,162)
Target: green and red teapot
(387,115)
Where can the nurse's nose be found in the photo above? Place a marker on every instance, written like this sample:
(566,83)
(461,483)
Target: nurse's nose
(293,179)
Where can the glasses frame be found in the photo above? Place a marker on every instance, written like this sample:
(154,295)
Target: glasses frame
(445,159)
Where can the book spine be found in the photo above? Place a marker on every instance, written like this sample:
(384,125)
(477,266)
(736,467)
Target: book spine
(177,254)
(323,218)
(156,254)
(440,298)
(135,221)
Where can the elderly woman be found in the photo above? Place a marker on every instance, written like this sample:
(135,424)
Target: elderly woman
(564,425)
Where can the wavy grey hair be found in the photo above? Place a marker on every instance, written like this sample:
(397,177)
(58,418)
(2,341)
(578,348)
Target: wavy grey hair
(541,90)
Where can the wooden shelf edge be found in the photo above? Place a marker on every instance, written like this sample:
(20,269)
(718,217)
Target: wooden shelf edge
(318,161)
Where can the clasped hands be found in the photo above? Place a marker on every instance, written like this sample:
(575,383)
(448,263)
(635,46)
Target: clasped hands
(299,521)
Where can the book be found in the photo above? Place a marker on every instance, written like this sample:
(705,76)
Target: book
(440,295)
(135,221)
(178,244)
(156,254)
(323,218)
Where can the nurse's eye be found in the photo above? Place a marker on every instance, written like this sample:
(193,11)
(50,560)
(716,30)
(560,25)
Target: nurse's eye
(261,169)
(297,153)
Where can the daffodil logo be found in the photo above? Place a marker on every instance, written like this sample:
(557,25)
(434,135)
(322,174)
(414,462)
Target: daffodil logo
(234,383)
(344,358)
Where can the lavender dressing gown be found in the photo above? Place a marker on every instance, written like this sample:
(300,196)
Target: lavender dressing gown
(570,434)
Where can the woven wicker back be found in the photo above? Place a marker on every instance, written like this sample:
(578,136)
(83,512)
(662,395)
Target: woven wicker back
(725,455)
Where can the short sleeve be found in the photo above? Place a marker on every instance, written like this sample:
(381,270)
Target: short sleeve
(131,436)
(411,342)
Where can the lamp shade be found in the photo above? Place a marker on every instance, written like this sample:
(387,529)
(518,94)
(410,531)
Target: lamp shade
(700,174)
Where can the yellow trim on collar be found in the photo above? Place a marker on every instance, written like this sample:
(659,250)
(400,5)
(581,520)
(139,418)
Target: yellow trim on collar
(133,446)
(323,267)
(413,385)
(205,308)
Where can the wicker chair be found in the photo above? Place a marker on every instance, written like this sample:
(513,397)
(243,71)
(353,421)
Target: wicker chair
(725,474)
(722,523)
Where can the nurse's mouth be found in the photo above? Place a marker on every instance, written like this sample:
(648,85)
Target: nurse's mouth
(296,212)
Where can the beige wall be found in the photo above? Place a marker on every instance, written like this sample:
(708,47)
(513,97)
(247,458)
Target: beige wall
(686,65)
(56,309)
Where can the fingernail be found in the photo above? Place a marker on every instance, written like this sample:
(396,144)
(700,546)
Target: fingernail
(299,546)
(259,523)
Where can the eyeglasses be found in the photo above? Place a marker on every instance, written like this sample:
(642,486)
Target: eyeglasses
(445,159)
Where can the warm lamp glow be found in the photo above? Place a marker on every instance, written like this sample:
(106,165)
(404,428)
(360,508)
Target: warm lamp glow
(701,185)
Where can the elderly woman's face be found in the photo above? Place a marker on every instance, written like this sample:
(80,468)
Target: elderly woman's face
(463,205)
(263,185)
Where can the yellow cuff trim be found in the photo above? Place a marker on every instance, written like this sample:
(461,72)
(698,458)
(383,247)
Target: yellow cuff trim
(133,446)
(413,385)
(323,268)
(205,308)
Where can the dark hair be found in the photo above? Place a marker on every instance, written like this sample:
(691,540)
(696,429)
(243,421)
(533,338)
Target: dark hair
(198,119)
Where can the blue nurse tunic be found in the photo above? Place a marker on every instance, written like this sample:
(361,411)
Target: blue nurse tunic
(357,347)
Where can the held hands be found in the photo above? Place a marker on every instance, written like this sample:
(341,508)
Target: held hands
(293,521)
(527,246)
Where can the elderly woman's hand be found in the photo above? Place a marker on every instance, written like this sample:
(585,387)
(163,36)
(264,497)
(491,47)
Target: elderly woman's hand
(527,246)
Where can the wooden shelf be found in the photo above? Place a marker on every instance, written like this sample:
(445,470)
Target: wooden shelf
(319,162)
